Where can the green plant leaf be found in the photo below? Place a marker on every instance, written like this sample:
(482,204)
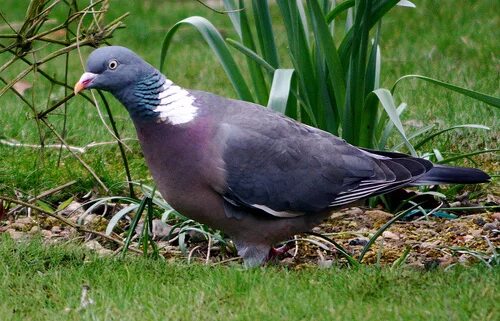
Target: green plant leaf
(45,206)
(466,155)
(218,46)
(487,99)
(387,102)
(258,81)
(251,54)
(380,231)
(389,126)
(329,51)
(428,138)
(338,9)
(118,216)
(280,90)
(265,32)
(133,225)
(406,3)
(64,204)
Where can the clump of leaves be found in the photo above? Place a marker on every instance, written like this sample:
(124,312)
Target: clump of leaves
(332,84)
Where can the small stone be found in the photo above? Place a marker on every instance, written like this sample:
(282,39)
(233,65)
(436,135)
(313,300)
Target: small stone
(496,216)
(56,229)
(390,235)
(353,211)
(15,235)
(456,204)
(490,226)
(96,246)
(430,245)
(161,230)
(46,233)
(379,215)
(73,209)
(479,221)
(18,226)
(25,220)
(35,229)
(196,237)
(445,261)
(360,241)
(467,238)
(89,219)
(476,233)
(464,258)
(325,264)
(316,229)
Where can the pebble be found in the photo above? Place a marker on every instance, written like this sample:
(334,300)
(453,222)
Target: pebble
(353,211)
(467,238)
(379,215)
(25,220)
(325,264)
(360,241)
(490,226)
(15,235)
(96,246)
(18,226)
(73,209)
(479,221)
(46,233)
(496,216)
(430,245)
(390,235)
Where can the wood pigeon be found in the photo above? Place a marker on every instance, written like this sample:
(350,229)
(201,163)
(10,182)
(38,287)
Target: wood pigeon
(236,166)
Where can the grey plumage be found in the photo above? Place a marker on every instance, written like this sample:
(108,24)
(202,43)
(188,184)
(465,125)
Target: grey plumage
(236,166)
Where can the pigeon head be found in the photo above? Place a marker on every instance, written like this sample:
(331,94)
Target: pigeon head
(113,69)
(142,89)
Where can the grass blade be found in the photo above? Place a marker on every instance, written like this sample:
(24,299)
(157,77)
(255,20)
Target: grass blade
(380,231)
(134,223)
(428,138)
(454,158)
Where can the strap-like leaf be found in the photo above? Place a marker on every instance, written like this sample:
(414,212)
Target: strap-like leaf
(218,46)
(387,102)
(487,99)
(280,90)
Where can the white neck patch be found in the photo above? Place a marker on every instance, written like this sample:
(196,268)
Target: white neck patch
(176,105)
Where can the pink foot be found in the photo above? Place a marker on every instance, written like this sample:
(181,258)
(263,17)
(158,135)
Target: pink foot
(275,252)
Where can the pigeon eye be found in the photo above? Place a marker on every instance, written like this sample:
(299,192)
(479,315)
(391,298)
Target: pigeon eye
(113,64)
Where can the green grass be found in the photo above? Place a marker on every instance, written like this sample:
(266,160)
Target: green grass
(40,282)
(449,41)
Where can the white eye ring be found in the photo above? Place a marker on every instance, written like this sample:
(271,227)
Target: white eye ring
(113,64)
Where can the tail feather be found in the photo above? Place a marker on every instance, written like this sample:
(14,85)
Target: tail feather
(441,174)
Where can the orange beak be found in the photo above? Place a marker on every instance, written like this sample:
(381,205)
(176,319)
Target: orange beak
(84,82)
